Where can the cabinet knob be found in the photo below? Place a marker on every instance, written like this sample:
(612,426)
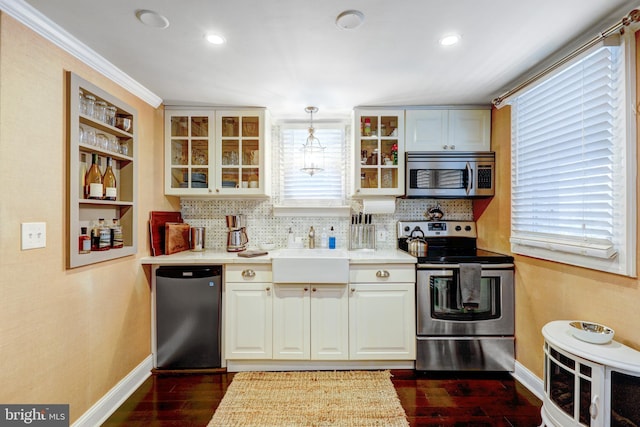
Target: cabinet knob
(306,289)
(248,274)
(353,289)
(313,289)
(382,274)
(444,147)
(453,147)
(268,289)
(210,191)
(217,190)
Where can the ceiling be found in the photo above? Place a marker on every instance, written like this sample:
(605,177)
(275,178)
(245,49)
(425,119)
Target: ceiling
(287,54)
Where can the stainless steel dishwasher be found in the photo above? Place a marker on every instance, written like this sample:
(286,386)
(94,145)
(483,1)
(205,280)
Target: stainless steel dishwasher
(187,317)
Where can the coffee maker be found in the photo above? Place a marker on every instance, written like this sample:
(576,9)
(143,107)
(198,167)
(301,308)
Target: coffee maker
(237,235)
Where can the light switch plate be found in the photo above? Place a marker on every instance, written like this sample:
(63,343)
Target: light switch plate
(34,235)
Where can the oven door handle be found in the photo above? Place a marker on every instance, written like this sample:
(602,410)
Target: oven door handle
(470,175)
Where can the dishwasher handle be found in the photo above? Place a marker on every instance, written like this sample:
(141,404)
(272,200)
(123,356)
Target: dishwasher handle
(189,271)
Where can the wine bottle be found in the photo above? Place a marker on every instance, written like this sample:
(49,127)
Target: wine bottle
(93,180)
(109,182)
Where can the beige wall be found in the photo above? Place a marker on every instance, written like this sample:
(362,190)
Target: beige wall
(547,291)
(66,336)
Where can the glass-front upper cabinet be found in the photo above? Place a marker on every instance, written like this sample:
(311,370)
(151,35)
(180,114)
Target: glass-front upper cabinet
(240,152)
(189,152)
(379,155)
(215,152)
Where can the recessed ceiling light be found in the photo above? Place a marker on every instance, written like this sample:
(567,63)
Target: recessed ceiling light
(450,39)
(152,18)
(350,19)
(215,39)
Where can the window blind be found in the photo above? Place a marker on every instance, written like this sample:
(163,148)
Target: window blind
(566,132)
(326,186)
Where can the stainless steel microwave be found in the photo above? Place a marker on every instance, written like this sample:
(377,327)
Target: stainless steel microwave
(450,174)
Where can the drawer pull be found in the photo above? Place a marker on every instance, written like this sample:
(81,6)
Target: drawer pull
(383,274)
(247,274)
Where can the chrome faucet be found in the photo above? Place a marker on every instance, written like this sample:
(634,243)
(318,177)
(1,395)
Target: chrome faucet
(312,238)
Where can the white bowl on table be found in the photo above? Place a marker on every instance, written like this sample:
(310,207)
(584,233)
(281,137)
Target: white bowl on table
(590,332)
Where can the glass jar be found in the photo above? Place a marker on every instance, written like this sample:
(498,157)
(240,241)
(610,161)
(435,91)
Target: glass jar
(102,141)
(82,102)
(114,143)
(99,110)
(89,136)
(124,148)
(110,115)
(89,101)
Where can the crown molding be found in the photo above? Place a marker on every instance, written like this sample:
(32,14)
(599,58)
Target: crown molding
(36,21)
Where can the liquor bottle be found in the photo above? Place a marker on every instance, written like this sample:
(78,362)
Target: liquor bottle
(95,236)
(84,241)
(117,241)
(109,182)
(104,236)
(93,180)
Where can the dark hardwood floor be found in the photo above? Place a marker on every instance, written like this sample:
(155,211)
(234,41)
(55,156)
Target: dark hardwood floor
(429,399)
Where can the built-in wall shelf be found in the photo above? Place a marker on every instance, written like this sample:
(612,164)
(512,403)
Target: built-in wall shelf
(113,136)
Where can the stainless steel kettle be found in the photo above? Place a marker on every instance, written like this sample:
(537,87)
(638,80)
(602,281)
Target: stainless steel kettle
(417,245)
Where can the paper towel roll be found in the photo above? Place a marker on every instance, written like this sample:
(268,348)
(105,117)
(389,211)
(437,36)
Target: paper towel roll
(385,205)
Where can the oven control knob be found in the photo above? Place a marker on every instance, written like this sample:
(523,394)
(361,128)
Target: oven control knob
(467,228)
(458,228)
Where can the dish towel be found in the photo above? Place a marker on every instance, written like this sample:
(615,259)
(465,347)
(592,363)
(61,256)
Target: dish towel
(470,277)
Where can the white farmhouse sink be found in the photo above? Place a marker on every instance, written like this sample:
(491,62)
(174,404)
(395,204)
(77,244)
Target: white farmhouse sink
(310,266)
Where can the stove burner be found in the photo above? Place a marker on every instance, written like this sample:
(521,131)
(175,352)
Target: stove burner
(449,242)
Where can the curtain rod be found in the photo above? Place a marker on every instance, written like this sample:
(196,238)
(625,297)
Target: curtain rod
(631,17)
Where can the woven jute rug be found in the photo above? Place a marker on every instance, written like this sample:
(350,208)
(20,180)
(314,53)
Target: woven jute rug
(342,398)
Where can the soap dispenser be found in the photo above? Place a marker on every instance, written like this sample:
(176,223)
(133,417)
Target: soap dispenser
(332,239)
(291,240)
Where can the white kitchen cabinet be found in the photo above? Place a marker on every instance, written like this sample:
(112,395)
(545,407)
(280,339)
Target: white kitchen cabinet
(242,161)
(382,313)
(310,322)
(92,134)
(379,153)
(448,129)
(248,312)
(216,152)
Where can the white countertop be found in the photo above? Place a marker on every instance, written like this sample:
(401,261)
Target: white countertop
(210,256)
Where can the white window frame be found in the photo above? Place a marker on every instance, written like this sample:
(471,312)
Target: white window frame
(554,248)
(310,208)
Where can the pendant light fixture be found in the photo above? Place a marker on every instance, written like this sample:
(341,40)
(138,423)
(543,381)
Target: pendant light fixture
(313,151)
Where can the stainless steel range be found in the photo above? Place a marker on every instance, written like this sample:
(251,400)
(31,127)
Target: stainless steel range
(464,297)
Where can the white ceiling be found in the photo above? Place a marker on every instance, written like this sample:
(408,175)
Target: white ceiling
(287,54)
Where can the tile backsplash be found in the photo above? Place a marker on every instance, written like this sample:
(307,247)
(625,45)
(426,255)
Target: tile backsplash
(263,226)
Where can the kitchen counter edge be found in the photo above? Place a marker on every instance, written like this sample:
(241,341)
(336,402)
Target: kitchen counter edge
(385,256)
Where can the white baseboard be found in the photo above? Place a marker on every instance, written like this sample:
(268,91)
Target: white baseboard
(111,401)
(529,380)
(316,365)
